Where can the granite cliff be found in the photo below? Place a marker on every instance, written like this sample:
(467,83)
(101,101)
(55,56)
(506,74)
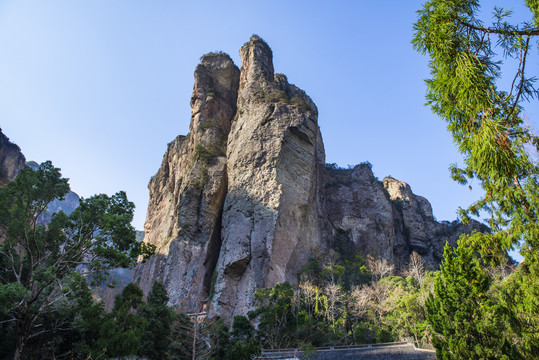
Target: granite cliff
(245,199)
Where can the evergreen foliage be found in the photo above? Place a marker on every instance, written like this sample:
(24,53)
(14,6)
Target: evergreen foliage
(41,266)
(467,324)
(156,338)
(243,344)
(121,332)
(498,146)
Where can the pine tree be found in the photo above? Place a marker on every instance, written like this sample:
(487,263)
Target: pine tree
(465,321)
(122,330)
(159,317)
(489,128)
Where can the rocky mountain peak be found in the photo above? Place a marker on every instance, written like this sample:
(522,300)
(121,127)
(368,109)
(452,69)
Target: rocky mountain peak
(256,62)
(213,101)
(246,199)
(401,191)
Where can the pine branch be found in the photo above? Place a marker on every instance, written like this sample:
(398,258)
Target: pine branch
(530,32)
(521,77)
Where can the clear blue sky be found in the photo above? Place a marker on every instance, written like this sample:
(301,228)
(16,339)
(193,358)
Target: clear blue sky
(100,87)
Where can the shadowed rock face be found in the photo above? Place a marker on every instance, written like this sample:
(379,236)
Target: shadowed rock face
(11,160)
(245,199)
(385,219)
(188,191)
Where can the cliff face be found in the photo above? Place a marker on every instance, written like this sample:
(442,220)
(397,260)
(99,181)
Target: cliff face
(188,191)
(385,219)
(270,213)
(245,199)
(11,160)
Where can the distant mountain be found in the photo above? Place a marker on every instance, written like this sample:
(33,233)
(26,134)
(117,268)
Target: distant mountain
(70,203)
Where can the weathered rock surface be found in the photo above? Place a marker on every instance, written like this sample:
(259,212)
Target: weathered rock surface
(270,215)
(188,191)
(385,219)
(245,199)
(11,160)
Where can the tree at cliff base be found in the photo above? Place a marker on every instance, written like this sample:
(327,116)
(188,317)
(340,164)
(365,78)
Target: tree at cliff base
(41,266)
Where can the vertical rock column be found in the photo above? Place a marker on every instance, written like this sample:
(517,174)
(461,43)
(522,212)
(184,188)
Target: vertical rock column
(188,191)
(270,213)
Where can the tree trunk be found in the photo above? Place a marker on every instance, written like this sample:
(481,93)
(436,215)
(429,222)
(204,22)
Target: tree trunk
(22,338)
(19,350)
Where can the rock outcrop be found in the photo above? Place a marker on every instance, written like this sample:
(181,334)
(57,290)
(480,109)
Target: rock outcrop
(188,191)
(270,214)
(245,199)
(384,219)
(11,160)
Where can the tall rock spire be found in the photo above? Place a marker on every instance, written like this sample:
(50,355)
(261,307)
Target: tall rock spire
(270,214)
(188,191)
(245,199)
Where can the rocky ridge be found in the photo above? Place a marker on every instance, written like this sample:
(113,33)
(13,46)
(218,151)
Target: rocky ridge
(245,199)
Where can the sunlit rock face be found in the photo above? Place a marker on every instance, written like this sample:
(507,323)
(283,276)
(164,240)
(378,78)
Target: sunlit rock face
(270,215)
(245,199)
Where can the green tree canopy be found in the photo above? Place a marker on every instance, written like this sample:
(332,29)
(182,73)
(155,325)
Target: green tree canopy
(121,332)
(39,262)
(466,323)
(499,148)
(487,124)
(156,337)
